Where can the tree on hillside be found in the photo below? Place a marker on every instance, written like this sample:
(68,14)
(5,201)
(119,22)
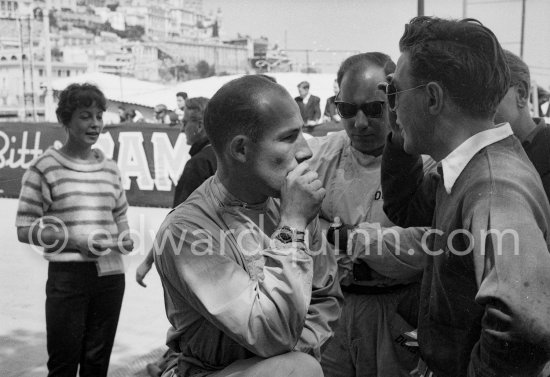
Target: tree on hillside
(57,54)
(133,32)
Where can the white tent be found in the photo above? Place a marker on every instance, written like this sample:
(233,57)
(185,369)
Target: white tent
(133,91)
(321,85)
(115,88)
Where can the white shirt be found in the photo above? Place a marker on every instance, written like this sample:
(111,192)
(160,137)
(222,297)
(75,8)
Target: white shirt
(456,161)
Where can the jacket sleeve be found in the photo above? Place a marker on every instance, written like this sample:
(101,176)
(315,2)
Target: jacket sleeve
(265,314)
(393,252)
(409,190)
(326,296)
(512,267)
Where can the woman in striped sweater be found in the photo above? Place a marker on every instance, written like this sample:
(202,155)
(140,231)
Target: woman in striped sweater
(72,204)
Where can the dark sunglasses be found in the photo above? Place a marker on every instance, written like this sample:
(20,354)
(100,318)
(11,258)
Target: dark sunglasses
(392,92)
(349,110)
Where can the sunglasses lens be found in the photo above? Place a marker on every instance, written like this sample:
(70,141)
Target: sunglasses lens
(346,110)
(373,109)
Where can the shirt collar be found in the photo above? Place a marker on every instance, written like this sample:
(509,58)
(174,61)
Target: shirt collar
(226,199)
(453,165)
(306,98)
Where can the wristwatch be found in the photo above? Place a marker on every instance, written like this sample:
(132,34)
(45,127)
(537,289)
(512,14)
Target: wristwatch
(286,234)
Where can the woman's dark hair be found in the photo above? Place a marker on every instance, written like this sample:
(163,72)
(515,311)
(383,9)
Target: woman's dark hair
(78,95)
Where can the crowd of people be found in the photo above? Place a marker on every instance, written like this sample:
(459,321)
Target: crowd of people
(414,242)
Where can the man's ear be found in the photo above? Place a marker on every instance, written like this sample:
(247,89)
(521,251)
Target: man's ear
(435,98)
(522,94)
(239,148)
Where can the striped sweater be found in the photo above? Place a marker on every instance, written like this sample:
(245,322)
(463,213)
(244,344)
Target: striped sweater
(85,197)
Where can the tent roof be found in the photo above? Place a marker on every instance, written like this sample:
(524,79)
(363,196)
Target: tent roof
(133,91)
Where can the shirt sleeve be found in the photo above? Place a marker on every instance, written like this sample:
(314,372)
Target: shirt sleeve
(265,314)
(34,199)
(326,297)
(512,268)
(409,190)
(121,203)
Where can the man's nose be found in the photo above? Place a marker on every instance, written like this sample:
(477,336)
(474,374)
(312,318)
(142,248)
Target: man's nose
(303,152)
(361,120)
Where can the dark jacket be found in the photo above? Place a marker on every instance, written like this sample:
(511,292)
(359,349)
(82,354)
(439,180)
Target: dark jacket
(311,110)
(201,165)
(537,147)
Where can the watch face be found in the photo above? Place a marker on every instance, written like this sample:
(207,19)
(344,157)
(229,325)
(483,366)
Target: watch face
(285,237)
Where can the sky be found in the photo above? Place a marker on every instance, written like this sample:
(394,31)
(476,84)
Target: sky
(376,25)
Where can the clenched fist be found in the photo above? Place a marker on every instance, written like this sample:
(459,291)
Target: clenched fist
(301,197)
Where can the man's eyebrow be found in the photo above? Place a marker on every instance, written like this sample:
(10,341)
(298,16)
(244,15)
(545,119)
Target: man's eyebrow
(289,132)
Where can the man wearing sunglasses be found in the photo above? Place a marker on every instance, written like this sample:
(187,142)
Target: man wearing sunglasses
(485,302)
(368,339)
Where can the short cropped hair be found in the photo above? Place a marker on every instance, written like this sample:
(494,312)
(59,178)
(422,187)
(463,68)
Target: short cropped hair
(239,108)
(463,56)
(270,78)
(359,62)
(519,71)
(196,107)
(304,84)
(75,96)
(182,95)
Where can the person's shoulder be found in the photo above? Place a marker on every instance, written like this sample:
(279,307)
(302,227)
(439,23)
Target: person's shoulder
(205,153)
(503,169)
(45,160)
(205,158)
(328,146)
(334,141)
(111,165)
(200,204)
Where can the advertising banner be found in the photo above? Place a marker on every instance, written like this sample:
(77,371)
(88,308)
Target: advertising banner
(150,157)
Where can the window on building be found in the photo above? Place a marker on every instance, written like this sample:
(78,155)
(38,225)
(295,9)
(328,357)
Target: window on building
(68,73)
(40,72)
(9,6)
(2,5)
